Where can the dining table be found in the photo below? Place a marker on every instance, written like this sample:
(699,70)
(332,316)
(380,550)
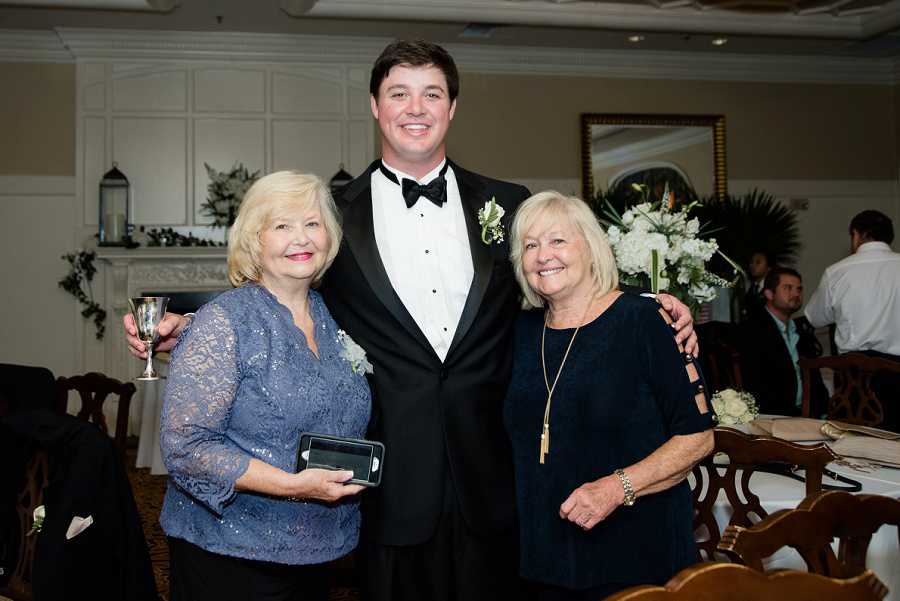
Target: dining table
(779,492)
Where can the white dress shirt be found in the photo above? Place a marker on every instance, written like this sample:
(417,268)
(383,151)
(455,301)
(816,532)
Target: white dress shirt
(425,251)
(861,294)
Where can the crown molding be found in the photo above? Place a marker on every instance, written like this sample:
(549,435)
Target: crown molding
(68,45)
(33,46)
(657,15)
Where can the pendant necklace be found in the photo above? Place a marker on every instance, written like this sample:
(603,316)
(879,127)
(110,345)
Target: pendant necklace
(545,434)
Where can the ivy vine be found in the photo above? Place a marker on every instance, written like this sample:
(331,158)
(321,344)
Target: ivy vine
(81,272)
(81,267)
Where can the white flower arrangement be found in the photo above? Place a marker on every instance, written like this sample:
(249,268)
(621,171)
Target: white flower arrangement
(354,354)
(489,219)
(658,248)
(734,407)
(226,191)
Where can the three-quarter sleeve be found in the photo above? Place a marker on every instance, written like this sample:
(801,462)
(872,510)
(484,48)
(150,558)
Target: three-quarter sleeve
(681,398)
(203,380)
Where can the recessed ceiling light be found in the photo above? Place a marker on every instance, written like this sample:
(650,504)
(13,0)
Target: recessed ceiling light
(719,42)
(636,38)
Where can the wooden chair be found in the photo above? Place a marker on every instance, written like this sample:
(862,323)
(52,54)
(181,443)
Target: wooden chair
(724,366)
(94,388)
(811,528)
(745,454)
(30,496)
(719,357)
(853,400)
(739,583)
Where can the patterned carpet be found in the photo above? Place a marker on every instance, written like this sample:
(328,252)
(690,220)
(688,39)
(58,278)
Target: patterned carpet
(149,491)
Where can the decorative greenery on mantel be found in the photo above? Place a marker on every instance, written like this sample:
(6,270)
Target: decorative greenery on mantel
(82,270)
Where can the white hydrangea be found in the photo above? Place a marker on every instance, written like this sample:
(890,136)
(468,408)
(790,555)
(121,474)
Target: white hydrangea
(681,256)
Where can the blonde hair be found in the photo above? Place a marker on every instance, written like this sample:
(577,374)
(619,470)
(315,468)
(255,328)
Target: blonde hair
(548,208)
(267,199)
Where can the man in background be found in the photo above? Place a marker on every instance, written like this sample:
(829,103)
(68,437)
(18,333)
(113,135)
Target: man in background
(861,295)
(773,342)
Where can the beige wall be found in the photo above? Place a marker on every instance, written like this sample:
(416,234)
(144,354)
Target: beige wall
(836,145)
(37,118)
(513,126)
(517,126)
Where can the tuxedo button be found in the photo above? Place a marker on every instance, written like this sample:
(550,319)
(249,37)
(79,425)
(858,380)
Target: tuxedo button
(444,374)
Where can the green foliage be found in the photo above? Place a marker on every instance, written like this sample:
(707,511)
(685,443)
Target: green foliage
(81,272)
(745,224)
(226,191)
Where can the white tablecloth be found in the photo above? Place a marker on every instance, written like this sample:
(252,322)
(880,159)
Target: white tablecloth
(778,492)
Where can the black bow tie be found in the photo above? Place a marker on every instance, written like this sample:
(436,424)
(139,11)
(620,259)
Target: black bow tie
(435,190)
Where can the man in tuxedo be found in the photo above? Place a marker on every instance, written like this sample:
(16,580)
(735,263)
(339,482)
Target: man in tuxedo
(434,306)
(772,345)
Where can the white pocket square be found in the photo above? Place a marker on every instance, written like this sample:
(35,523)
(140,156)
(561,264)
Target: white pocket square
(78,526)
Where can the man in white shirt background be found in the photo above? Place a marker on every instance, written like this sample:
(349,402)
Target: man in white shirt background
(861,295)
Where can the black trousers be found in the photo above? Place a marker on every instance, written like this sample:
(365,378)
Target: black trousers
(200,575)
(454,565)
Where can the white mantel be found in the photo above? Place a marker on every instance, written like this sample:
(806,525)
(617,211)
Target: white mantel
(131,273)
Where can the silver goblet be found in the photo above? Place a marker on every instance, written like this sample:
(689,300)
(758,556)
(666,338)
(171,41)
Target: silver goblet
(148,312)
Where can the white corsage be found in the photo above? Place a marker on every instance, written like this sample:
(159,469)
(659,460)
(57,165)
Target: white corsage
(489,219)
(734,407)
(354,354)
(39,514)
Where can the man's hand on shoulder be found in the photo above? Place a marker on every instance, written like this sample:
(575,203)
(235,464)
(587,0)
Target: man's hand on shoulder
(684,322)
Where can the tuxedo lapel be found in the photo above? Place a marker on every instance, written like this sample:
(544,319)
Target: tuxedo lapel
(470,192)
(359,236)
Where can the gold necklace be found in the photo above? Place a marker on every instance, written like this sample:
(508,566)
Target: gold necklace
(545,433)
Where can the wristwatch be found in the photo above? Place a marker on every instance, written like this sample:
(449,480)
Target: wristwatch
(626,483)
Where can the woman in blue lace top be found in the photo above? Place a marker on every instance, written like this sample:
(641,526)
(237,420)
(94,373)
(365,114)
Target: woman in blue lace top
(252,370)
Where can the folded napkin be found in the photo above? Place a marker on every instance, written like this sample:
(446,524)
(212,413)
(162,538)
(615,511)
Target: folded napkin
(839,430)
(788,428)
(870,448)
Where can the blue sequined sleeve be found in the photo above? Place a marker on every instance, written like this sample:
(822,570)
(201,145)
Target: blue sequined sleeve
(199,395)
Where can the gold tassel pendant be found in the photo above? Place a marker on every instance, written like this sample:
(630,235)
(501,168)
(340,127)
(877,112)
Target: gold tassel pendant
(545,441)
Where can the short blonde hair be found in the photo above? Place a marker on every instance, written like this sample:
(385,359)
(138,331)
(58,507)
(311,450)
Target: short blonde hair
(269,198)
(548,208)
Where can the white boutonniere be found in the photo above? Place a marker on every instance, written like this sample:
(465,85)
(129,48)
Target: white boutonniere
(354,354)
(39,514)
(489,219)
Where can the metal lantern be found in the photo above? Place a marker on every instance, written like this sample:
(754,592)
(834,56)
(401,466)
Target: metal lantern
(115,207)
(340,178)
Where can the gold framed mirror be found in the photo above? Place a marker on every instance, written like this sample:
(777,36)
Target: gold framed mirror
(615,147)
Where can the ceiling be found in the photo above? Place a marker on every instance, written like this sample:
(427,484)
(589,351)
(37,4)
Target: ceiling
(867,29)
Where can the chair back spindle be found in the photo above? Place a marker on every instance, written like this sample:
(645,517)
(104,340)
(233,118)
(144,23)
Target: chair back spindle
(745,455)
(94,388)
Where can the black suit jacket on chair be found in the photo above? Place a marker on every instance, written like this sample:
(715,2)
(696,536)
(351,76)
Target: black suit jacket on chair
(768,372)
(432,415)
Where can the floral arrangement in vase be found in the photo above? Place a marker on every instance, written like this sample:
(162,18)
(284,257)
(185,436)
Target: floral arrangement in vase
(734,407)
(225,192)
(659,248)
